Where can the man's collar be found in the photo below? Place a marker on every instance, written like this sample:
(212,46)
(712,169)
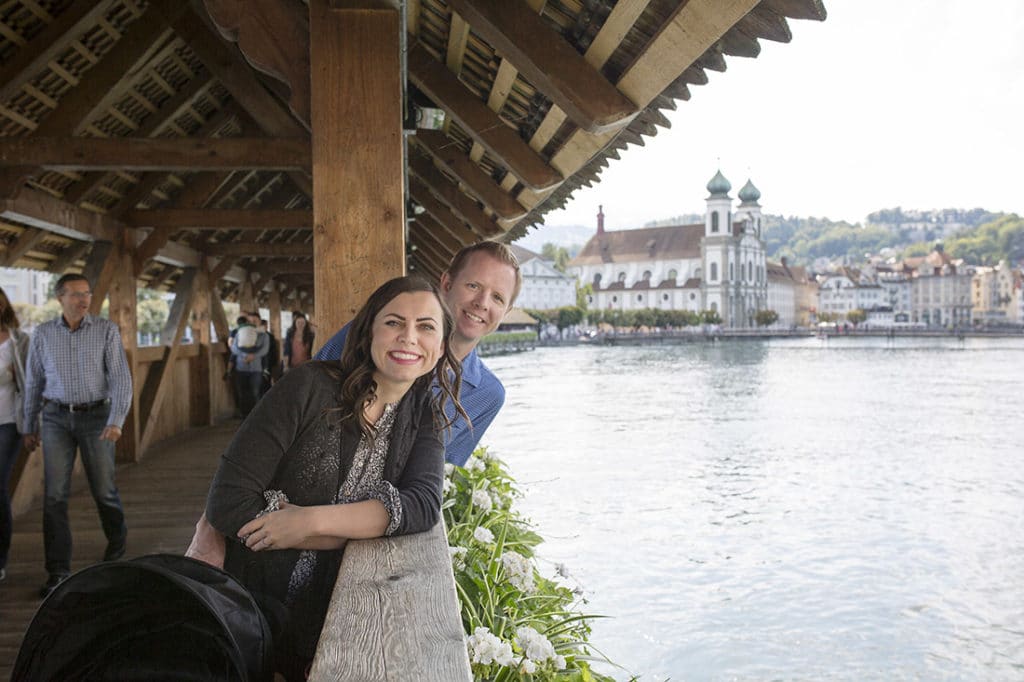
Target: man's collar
(472,369)
(86,321)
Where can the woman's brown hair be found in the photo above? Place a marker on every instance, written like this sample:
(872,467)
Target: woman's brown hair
(8,318)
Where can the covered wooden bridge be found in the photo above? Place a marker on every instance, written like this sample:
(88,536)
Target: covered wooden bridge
(288,154)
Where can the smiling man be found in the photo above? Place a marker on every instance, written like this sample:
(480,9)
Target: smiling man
(479,287)
(77,378)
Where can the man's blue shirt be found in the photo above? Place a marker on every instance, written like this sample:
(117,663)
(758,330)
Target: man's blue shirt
(482,396)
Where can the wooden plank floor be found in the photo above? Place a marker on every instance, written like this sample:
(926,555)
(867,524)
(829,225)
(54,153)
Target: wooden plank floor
(163,496)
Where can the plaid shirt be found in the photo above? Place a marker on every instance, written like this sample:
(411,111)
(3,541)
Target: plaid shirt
(81,366)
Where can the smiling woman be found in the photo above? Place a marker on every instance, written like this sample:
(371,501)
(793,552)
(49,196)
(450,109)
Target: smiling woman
(337,451)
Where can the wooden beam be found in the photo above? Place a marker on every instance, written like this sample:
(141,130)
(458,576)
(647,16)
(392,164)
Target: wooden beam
(550,63)
(221,269)
(158,383)
(442,215)
(261,250)
(358,151)
(452,159)
(67,258)
(274,37)
(694,28)
(442,237)
(482,124)
(450,194)
(148,154)
(123,310)
(26,241)
(227,65)
(149,247)
(221,218)
(99,270)
(99,87)
(48,44)
(151,125)
(38,209)
(231,70)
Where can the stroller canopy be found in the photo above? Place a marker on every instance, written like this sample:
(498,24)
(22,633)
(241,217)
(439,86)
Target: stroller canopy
(156,617)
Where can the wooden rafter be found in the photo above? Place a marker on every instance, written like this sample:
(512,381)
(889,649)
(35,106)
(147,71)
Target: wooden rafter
(482,124)
(450,194)
(550,63)
(452,159)
(260,250)
(148,154)
(221,219)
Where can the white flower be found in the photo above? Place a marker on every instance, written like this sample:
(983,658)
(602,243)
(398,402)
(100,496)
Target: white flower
(446,486)
(458,556)
(496,499)
(482,500)
(559,662)
(486,455)
(528,667)
(562,570)
(483,535)
(449,468)
(486,648)
(519,570)
(475,464)
(535,645)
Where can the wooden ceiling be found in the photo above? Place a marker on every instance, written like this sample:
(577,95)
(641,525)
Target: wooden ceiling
(142,121)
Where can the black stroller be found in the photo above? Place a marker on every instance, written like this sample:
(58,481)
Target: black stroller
(157,617)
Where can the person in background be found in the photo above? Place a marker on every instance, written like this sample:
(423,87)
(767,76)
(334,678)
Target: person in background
(298,341)
(271,360)
(479,287)
(78,379)
(249,348)
(336,451)
(13,354)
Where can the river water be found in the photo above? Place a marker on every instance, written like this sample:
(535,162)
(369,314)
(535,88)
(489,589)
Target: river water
(797,509)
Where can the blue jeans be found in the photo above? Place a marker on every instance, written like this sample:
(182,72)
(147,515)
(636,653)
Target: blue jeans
(62,433)
(247,386)
(10,446)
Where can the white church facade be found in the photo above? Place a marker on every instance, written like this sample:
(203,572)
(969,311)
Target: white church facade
(716,265)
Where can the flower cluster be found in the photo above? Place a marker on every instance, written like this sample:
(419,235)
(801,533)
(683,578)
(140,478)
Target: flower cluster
(520,625)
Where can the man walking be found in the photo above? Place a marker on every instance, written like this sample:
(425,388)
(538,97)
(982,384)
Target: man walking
(77,378)
(479,287)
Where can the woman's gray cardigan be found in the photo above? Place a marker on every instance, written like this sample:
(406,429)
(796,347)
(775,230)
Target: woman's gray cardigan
(293,441)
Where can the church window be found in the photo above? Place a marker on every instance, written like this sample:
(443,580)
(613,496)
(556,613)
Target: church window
(693,296)
(615,299)
(714,272)
(714,221)
(732,275)
(673,275)
(647,274)
(714,307)
(750,270)
(664,297)
(597,280)
(622,276)
(640,297)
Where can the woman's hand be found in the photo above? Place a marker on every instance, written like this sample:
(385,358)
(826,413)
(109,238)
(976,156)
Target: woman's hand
(287,528)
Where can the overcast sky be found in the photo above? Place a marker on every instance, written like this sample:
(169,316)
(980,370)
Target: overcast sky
(912,103)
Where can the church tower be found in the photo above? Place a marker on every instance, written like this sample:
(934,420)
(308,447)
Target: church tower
(715,249)
(749,211)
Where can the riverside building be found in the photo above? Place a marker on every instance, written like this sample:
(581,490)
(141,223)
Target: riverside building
(717,265)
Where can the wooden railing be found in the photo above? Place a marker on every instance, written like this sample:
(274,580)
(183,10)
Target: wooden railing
(394,614)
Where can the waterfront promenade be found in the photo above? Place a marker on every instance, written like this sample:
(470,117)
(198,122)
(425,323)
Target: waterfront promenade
(163,496)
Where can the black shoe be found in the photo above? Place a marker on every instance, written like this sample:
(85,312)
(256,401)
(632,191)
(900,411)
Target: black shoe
(115,549)
(52,582)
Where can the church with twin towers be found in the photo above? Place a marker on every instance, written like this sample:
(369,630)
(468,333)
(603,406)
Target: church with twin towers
(717,265)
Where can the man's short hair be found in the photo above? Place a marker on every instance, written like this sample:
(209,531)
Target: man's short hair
(496,250)
(242,319)
(69,277)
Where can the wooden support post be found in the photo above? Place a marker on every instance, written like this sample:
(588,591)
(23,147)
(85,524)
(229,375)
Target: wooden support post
(158,383)
(274,303)
(358,176)
(247,296)
(201,378)
(124,311)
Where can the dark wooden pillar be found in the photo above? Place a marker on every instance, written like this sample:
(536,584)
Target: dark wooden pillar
(358,178)
(200,379)
(119,280)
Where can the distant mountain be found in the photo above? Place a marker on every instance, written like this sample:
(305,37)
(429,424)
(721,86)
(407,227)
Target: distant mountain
(570,237)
